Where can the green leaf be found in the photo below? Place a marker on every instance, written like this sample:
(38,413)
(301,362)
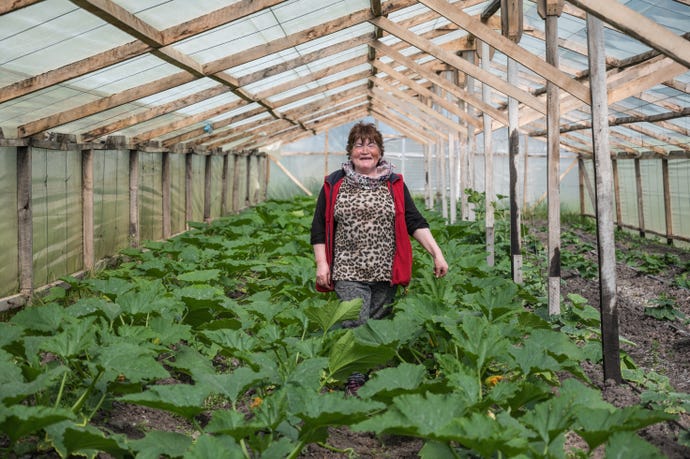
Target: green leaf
(208,447)
(489,435)
(628,445)
(182,399)
(10,333)
(17,421)
(90,440)
(200,277)
(131,361)
(77,336)
(331,313)
(45,318)
(232,385)
(157,444)
(405,377)
(421,415)
(348,356)
(235,424)
(111,287)
(90,305)
(13,388)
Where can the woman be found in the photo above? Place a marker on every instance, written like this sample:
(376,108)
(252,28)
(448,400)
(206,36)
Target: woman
(360,232)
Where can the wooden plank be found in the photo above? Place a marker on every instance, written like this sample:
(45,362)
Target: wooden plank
(88,253)
(13,5)
(640,27)
(103,104)
(604,207)
(24,220)
(134,231)
(451,59)
(509,48)
(225,15)
(73,70)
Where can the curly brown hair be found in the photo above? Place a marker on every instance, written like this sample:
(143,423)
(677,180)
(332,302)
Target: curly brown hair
(362,132)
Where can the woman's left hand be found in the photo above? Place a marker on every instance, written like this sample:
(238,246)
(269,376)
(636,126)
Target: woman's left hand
(440,266)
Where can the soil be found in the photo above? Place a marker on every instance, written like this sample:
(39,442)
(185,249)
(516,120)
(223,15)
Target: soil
(659,345)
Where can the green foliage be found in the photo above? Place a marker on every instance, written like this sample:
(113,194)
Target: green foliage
(228,311)
(664,308)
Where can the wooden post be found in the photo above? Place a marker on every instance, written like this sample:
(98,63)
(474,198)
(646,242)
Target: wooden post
(489,193)
(640,197)
(524,174)
(248,181)
(603,171)
(581,185)
(550,11)
(236,182)
(511,27)
(88,254)
(25,230)
(325,154)
(617,194)
(224,186)
(134,235)
(668,212)
(165,193)
(208,168)
(428,196)
(188,191)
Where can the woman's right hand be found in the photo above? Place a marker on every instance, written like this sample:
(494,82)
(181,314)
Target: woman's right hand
(323,275)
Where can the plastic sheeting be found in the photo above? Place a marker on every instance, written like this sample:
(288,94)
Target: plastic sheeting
(9,273)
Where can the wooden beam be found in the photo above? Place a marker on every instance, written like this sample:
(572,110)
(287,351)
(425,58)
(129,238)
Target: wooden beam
(14,5)
(88,254)
(640,27)
(509,48)
(105,103)
(481,74)
(25,220)
(440,82)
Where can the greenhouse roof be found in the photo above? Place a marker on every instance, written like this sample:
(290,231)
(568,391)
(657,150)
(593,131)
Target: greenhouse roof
(233,75)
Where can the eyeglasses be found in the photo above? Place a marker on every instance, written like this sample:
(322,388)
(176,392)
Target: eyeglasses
(369,146)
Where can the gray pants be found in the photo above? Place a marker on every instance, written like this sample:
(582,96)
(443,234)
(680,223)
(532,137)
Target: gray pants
(376,299)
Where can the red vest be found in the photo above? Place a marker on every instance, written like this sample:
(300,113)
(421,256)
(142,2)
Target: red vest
(402,259)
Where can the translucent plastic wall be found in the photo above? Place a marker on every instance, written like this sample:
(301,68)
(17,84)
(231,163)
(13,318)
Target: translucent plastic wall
(652,196)
(9,273)
(57,207)
(110,202)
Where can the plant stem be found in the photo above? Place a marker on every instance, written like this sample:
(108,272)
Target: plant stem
(60,392)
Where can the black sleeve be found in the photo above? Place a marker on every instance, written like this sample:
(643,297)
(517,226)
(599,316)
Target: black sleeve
(318,224)
(413,218)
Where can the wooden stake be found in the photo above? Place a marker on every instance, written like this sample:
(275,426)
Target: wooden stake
(514,157)
(188,191)
(617,193)
(553,165)
(489,192)
(208,168)
(24,221)
(224,185)
(667,201)
(134,235)
(166,212)
(640,197)
(604,200)
(88,254)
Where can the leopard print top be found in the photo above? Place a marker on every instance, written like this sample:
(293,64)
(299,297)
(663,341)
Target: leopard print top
(364,236)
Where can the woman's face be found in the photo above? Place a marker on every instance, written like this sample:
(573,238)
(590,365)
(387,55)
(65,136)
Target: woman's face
(365,156)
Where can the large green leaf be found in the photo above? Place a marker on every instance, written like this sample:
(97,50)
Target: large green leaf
(348,355)
(628,445)
(488,435)
(326,316)
(46,318)
(158,444)
(211,447)
(183,399)
(130,361)
(17,421)
(393,381)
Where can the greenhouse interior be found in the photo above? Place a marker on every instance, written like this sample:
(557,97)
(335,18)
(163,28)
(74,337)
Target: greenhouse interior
(162,163)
